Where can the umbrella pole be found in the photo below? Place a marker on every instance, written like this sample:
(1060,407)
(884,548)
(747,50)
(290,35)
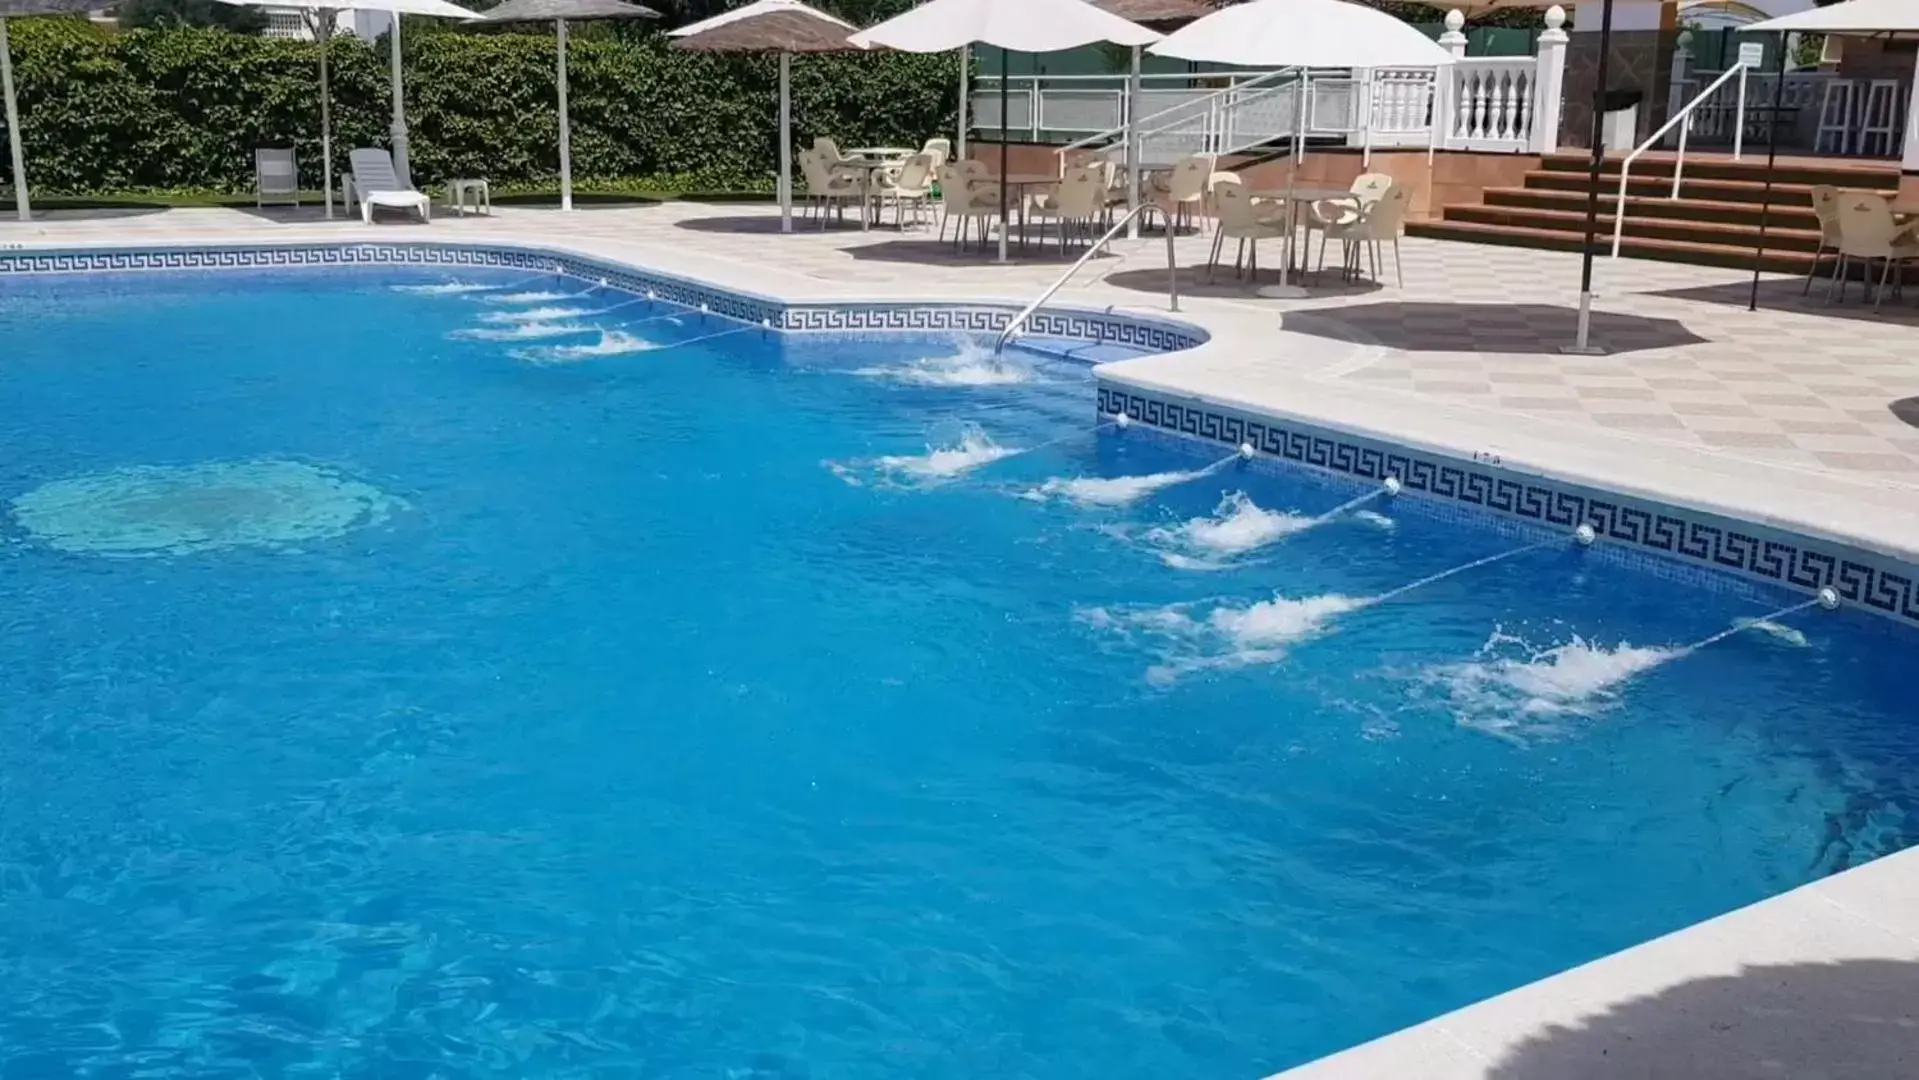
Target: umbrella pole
(966,68)
(1582,337)
(1286,290)
(13,126)
(1772,158)
(1132,149)
(785,184)
(401,167)
(326,116)
(1002,154)
(566,142)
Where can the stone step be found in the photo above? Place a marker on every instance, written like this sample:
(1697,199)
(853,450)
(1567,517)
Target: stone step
(1708,233)
(1735,257)
(1691,187)
(1778,216)
(1838,172)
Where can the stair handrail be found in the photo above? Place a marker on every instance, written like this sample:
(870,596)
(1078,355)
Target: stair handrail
(1266,81)
(1012,327)
(1679,161)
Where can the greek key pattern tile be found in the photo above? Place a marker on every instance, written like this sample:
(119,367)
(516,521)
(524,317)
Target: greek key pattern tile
(1147,334)
(1711,543)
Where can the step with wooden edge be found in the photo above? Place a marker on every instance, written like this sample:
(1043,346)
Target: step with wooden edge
(1778,216)
(1838,172)
(1690,187)
(1710,233)
(1731,257)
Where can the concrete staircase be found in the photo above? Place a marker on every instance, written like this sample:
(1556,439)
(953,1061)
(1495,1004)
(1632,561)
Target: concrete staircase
(1714,222)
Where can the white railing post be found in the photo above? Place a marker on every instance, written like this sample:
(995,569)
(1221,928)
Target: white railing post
(1909,155)
(1363,112)
(1549,82)
(965,67)
(1739,119)
(1681,73)
(1128,110)
(1453,41)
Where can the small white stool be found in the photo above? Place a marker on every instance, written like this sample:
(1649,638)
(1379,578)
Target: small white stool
(1882,118)
(1837,113)
(458,192)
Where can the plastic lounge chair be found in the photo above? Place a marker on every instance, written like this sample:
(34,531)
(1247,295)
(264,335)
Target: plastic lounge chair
(1240,218)
(275,177)
(913,182)
(374,184)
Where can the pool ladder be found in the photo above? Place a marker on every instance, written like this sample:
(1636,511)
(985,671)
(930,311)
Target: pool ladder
(1026,313)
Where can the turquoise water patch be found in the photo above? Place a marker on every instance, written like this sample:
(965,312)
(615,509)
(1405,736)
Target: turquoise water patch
(147,510)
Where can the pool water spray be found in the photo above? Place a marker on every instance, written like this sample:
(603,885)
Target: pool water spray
(1238,525)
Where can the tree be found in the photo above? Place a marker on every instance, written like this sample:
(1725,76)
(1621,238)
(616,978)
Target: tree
(166,14)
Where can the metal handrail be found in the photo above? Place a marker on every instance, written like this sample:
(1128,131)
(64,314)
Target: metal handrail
(1012,328)
(1679,162)
(1264,81)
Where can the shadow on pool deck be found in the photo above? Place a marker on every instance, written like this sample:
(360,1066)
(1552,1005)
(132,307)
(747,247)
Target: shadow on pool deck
(1225,284)
(1787,294)
(765,224)
(1850,1020)
(1484,328)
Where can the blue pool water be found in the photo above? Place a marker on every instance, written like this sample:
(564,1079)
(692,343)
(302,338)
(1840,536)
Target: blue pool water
(380,702)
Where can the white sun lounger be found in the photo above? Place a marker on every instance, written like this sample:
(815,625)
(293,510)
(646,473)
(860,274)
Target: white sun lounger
(374,184)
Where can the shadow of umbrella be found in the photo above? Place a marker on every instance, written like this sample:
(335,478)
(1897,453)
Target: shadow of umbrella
(1484,328)
(1789,294)
(762,225)
(1851,1020)
(941,251)
(1192,282)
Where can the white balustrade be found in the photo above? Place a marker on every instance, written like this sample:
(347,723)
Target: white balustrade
(1509,104)
(1492,104)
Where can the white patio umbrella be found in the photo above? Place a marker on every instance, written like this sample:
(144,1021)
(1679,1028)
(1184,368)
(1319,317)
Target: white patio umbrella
(559,11)
(1302,34)
(325,11)
(1863,18)
(10,9)
(782,26)
(1009,25)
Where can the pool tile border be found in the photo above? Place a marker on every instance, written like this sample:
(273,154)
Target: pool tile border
(1709,543)
(1153,335)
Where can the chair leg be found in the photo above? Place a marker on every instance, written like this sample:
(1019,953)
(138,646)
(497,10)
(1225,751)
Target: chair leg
(1212,258)
(1838,279)
(1399,268)
(1814,268)
(1885,275)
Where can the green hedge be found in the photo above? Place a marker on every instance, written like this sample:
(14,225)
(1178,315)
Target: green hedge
(153,110)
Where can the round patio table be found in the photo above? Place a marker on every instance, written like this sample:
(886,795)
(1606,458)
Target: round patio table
(869,160)
(1017,185)
(1297,198)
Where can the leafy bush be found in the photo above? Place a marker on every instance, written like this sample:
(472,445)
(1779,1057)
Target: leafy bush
(183,109)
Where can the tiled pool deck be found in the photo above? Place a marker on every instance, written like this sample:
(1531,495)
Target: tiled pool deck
(1779,416)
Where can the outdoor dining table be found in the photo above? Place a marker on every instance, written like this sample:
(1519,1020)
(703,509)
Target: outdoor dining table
(1018,185)
(1297,198)
(891,153)
(867,161)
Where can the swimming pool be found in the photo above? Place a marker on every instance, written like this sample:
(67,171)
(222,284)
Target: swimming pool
(400,685)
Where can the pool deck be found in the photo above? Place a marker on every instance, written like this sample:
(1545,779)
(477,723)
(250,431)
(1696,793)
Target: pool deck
(1780,416)
(1820,983)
